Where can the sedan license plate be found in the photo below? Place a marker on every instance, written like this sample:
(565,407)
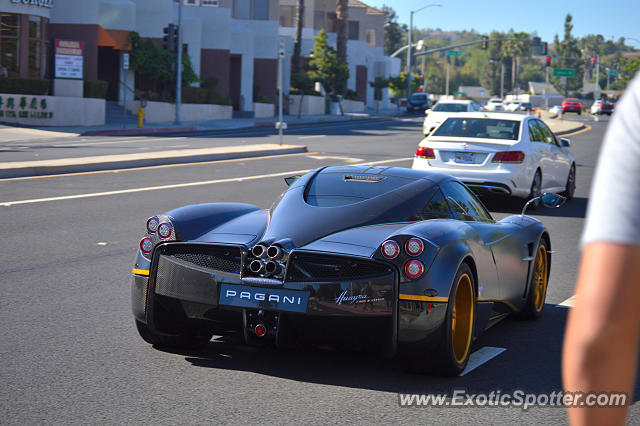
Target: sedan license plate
(464,157)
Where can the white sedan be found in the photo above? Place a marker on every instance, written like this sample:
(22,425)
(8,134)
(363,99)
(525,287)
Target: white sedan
(513,106)
(500,153)
(443,109)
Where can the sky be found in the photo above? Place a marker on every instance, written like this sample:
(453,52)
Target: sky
(612,19)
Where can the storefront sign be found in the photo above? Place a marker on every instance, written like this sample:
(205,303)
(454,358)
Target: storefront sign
(69,59)
(24,107)
(41,3)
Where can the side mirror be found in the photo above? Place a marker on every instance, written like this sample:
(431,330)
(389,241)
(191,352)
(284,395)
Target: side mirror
(548,199)
(565,143)
(291,179)
(427,111)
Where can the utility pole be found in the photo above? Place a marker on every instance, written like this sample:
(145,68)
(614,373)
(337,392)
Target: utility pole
(546,89)
(280,125)
(598,78)
(501,80)
(424,78)
(409,56)
(447,93)
(179,65)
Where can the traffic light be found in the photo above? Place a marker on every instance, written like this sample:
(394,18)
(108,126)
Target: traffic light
(547,61)
(593,60)
(485,42)
(544,49)
(536,44)
(170,40)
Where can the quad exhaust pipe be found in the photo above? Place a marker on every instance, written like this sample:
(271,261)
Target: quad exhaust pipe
(259,251)
(257,267)
(272,268)
(275,252)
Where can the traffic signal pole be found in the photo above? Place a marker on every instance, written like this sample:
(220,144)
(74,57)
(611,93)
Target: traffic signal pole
(598,78)
(179,65)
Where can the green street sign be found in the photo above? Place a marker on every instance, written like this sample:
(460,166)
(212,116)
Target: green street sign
(613,73)
(564,72)
(459,93)
(453,53)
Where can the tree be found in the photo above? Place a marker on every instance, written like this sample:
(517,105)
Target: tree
(398,85)
(326,67)
(297,41)
(342,18)
(304,84)
(569,56)
(395,35)
(378,85)
(515,50)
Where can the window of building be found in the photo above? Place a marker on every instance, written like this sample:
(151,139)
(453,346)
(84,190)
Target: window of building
(9,45)
(353,30)
(211,3)
(192,2)
(371,37)
(318,20)
(332,22)
(251,9)
(287,16)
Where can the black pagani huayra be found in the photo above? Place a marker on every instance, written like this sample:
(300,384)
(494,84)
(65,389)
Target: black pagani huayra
(408,260)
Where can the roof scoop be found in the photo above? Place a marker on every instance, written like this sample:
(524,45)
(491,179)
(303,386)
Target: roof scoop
(363,178)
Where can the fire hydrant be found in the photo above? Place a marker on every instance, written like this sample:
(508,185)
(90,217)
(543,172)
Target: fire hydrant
(140,115)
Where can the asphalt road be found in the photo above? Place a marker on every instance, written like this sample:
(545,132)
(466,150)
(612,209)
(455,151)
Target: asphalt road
(71,355)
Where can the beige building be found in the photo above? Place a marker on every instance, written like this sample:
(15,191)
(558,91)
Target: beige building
(365,41)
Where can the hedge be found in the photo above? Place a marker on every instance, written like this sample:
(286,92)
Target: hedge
(96,89)
(204,95)
(25,86)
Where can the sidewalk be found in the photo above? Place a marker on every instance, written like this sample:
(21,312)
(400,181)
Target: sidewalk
(561,127)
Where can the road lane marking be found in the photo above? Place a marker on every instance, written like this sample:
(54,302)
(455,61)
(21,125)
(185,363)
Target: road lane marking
(481,356)
(569,303)
(181,185)
(312,137)
(162,166)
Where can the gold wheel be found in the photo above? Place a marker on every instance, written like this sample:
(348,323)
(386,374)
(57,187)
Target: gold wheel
(462,319)
(540,278)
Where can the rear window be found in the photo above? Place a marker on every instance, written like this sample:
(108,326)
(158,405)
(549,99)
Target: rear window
(571,100)
(451,107)
(341,189)
(418,97)
(479,128)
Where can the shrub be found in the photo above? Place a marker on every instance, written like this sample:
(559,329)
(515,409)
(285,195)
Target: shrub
(351,95)
(195,95)
(219,98)
(25,86)
(95,89)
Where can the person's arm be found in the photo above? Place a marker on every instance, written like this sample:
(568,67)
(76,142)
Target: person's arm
(601,341)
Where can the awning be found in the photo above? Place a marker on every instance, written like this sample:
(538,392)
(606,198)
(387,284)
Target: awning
(116,39)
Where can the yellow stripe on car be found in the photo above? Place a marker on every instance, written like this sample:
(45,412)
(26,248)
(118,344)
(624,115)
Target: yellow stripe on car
(144,272)
(424,298)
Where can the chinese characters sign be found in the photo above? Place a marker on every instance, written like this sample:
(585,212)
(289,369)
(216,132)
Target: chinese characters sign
(24,107)
(69,59)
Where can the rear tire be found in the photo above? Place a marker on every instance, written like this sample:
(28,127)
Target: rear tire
(536,190)
(195,341)
(451,355)
(570,187)
(538,284)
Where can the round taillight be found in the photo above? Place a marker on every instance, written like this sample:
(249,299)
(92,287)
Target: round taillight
(152,224)
(261,330)
(164,230)
(414,246)
(146,245)
(414,269)
(390,249)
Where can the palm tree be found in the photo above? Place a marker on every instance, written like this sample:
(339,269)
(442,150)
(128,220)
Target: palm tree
(342,17)
(297,41)
(515,50)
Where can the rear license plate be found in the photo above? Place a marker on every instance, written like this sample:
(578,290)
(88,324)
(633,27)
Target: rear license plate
(263,298)
(464,157)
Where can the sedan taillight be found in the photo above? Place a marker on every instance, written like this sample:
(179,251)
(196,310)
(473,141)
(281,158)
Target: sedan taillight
(508,157)
(424,152)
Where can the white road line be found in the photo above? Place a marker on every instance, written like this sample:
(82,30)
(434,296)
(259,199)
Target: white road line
(569,303)
(335,157)
(312,137)
(481,356)
(180,185)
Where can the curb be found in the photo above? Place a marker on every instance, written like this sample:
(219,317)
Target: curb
(567,132)
(138,132)
(50,168)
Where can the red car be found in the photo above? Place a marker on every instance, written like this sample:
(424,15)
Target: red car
(571,105)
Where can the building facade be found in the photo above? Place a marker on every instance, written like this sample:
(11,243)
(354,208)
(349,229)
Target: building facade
(365,41)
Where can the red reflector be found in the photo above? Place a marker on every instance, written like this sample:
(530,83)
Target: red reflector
(390,249)
(414,246)
(261,330)
(508,157)
(152,224)
(424,152)
(414,269)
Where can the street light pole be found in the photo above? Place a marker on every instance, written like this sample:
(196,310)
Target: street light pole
(410,42)
(598,77)
(501,79)
(447,93)
(179,65)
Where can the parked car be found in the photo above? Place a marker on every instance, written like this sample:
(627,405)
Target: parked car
(385,257)
(556,109)
(494,104)
(571,105)
(498,153)
(418,102)
(444,108)
(602,107)
(513,106)
(527,106)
